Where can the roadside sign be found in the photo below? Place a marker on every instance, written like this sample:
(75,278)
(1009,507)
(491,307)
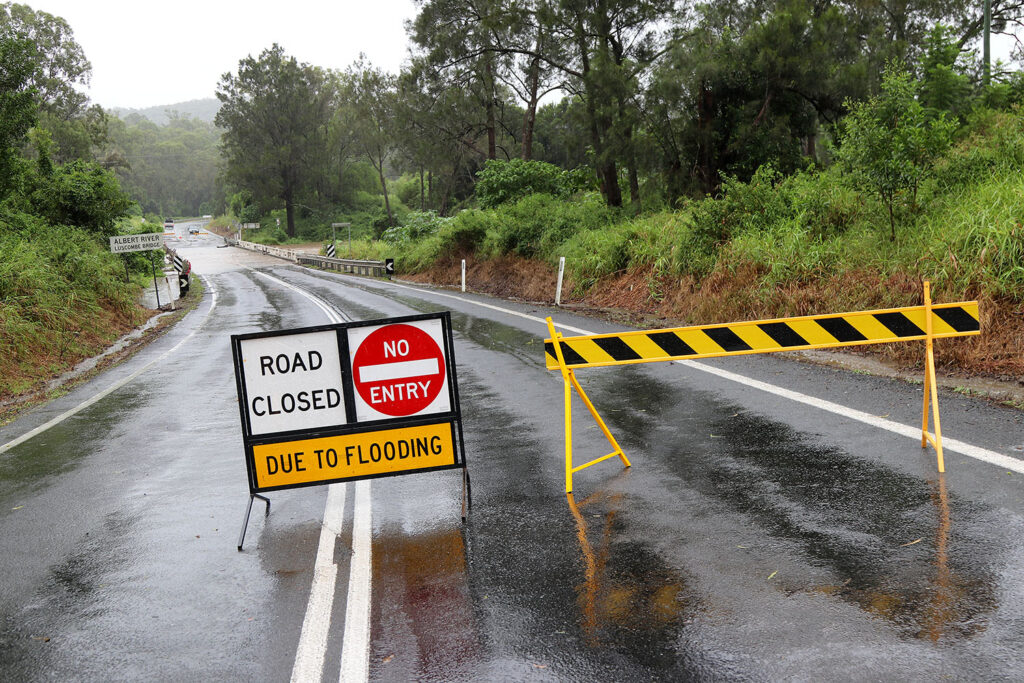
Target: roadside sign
(349,401)
(250,226)
(399,370)
(389,266)
(330,250)
(120,244)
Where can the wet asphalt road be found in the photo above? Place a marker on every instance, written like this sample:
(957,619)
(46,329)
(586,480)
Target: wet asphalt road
(754,538)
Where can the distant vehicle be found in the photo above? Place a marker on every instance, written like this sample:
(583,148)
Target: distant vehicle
(207,216)
(168,224)
(193,229)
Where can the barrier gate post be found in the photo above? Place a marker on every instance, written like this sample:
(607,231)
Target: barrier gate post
(569,378)
(930,389)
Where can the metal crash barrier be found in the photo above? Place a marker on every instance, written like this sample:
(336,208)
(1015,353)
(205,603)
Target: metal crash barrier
(913,323)
(342,265)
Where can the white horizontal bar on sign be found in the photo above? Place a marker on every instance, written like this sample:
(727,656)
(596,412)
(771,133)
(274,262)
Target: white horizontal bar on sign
(400,370)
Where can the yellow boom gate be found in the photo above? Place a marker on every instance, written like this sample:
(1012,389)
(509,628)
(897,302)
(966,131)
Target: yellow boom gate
(912,323)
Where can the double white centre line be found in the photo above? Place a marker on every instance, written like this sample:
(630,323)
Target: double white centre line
(316,625)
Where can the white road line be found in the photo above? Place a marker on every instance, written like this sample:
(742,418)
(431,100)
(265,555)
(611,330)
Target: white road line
(114,387)
(355,649)
(316,625)
(971,451)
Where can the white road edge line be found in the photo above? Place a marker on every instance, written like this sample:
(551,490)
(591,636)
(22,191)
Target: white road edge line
(971,451)
(355,643)
(115,386)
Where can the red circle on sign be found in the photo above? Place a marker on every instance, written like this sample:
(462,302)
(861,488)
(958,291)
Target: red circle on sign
(398,370)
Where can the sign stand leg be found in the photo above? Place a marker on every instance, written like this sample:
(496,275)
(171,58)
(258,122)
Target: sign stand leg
(248,510)
(931,393)
(571,383)
(467,494)
(155,289)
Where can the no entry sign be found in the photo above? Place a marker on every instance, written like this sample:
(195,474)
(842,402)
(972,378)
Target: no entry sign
(399,370)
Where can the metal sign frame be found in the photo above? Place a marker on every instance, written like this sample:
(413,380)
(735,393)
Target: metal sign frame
(452,417)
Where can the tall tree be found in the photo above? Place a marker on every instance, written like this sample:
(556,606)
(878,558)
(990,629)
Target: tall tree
(59,71)
(17,104)
(274,113)
(60,65)
(368,110)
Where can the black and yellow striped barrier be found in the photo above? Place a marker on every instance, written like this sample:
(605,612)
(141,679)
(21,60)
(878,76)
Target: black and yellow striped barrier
(913,323)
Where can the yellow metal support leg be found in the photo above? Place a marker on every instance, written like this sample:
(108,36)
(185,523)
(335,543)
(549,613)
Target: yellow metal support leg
(569,378)
(931,393)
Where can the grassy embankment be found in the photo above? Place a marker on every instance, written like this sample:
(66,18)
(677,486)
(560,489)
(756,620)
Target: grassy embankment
(63,297)
(774,247)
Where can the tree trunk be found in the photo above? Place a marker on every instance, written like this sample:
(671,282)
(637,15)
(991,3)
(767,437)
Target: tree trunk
(384,189)
(530,116)
(289,211)
(634,187)
(430,188)
(706,174)
(492,135)
(422,207)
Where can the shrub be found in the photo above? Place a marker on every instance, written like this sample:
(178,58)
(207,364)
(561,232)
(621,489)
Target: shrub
(501,182)
(538,223)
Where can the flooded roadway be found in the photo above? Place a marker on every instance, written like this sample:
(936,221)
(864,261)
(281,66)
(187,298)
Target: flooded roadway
(754,538)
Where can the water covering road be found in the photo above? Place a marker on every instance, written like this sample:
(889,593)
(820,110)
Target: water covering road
(754,538)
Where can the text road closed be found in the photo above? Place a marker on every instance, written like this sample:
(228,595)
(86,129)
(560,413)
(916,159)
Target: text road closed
(399,370)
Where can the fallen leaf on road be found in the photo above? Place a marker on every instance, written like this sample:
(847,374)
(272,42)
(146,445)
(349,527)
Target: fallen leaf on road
(17,508)
(772,574)
(911,543)
(387,659)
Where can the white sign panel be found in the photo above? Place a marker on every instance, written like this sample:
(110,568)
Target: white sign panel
(120,244)
(399,370)
(293,382)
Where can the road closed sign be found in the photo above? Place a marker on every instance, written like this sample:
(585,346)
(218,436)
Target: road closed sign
(399,370)
(355,400)
(293,382)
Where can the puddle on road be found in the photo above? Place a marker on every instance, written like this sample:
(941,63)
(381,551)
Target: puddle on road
(901,548)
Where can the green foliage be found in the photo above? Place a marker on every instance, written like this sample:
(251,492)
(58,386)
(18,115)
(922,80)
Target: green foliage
(17,105)
(889,143)
(82,195)
(415,225)
(274,114)
(539,222)
(55,283)
(501,182)
(170,169)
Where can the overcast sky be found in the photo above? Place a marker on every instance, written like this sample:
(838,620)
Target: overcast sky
(147,53)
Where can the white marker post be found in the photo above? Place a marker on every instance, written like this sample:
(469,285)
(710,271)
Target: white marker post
(558,288)
(463,275)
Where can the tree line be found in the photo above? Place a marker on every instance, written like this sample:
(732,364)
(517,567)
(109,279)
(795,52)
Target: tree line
(661,100)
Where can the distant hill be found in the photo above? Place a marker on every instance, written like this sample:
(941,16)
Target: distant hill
(204,110)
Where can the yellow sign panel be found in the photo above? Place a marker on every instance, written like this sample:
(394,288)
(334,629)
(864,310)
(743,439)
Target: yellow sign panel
(349,456)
